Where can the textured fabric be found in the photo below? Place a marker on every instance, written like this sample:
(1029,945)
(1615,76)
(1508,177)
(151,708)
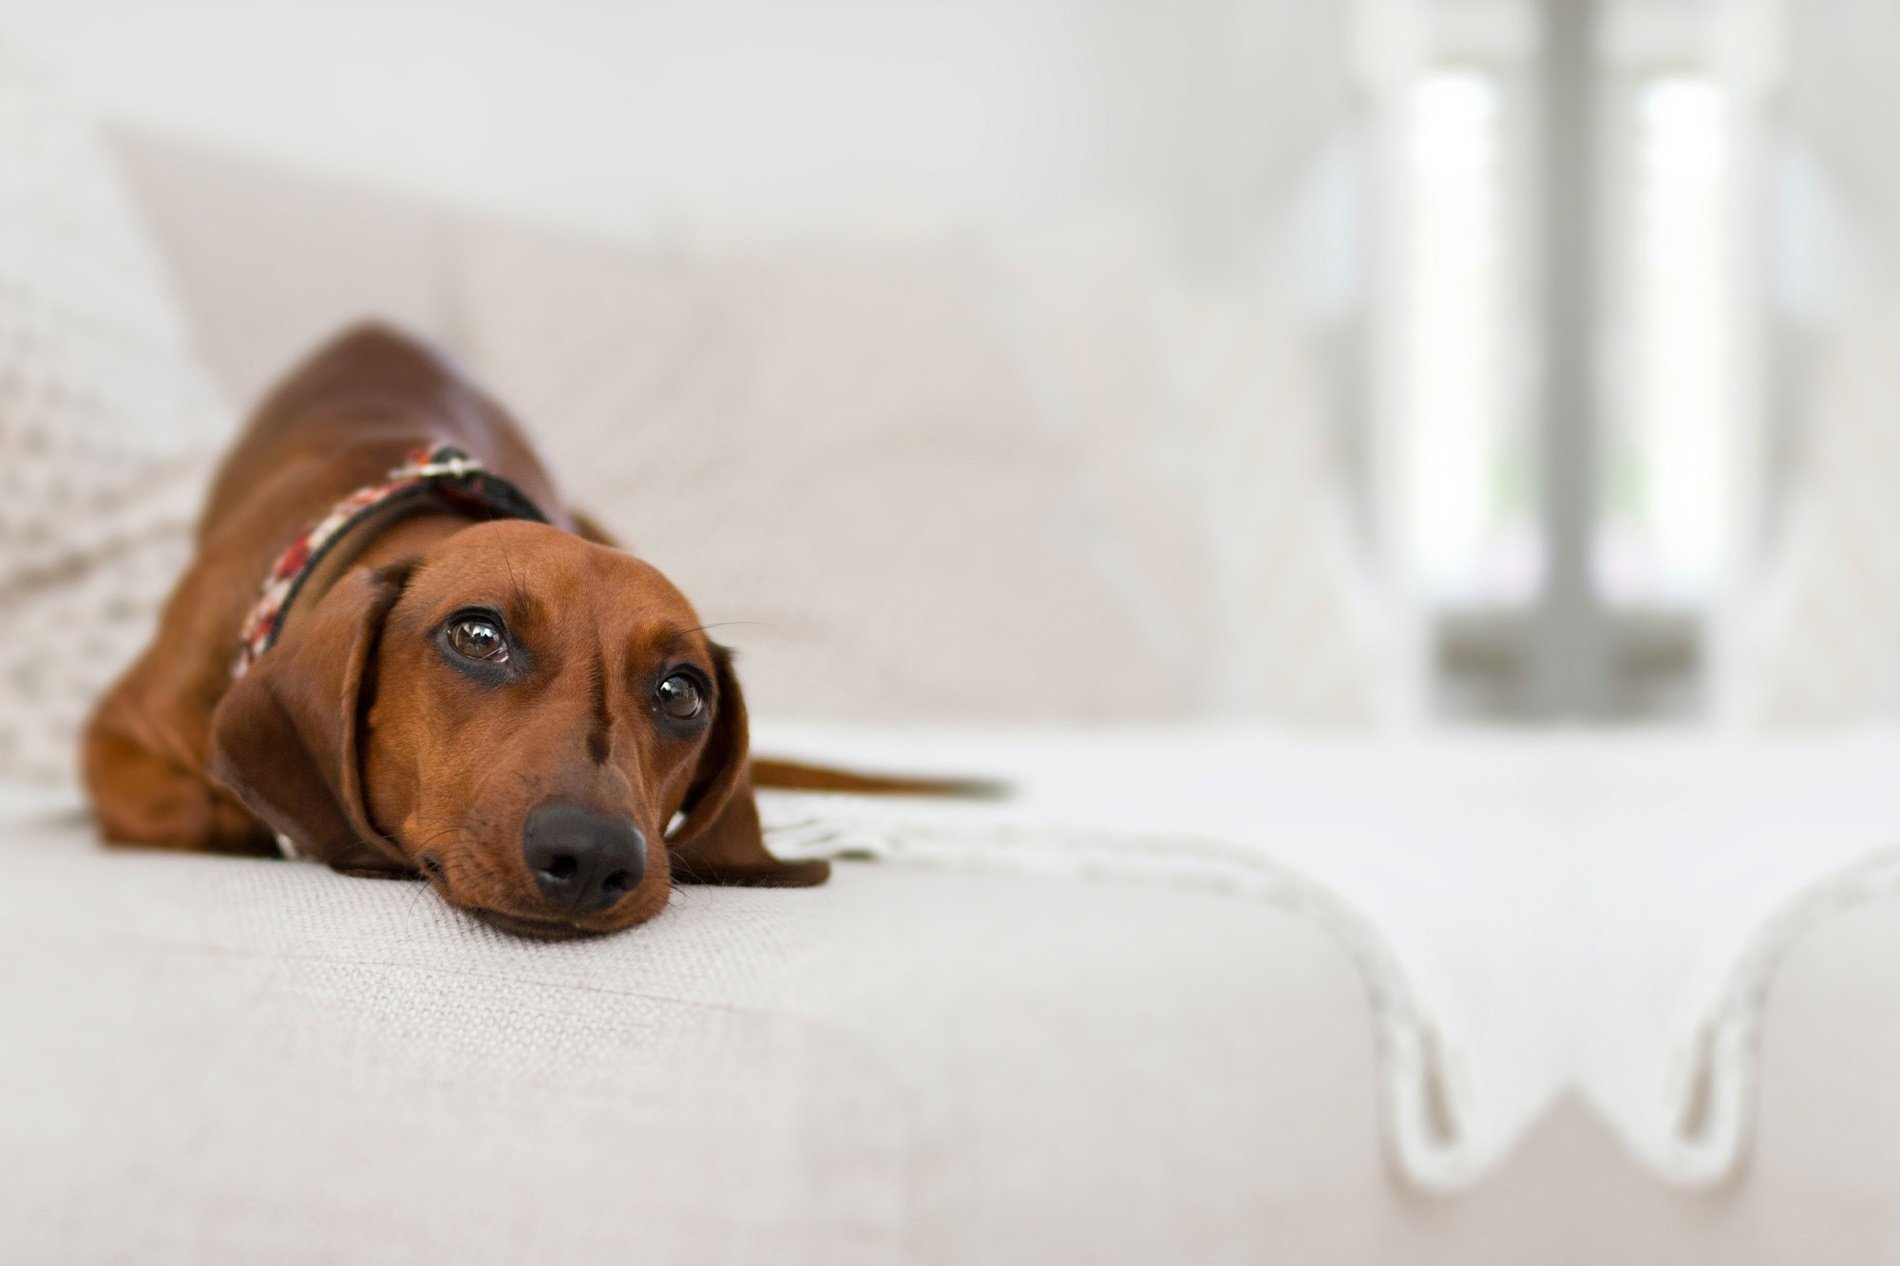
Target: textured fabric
(1050,1046)
(1536,917)
(215,1061)
(993,482)
(108,429)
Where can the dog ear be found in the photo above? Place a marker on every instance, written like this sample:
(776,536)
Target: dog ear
(720,840)
(285,738)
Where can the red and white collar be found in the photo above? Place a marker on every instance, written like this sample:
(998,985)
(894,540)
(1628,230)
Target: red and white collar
(440,470)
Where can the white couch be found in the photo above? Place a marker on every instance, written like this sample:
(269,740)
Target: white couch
(217,1061)
(232,1061)
(210,1060)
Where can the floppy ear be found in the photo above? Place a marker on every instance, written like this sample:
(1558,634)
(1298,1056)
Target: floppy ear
(720,841)
(285,738)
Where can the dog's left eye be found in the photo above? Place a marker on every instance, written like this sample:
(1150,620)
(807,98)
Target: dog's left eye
(475,638)
(680,697)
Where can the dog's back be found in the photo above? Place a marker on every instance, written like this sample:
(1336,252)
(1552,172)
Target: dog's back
(345,417)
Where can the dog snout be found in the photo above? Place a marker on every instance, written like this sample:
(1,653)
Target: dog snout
(583,860)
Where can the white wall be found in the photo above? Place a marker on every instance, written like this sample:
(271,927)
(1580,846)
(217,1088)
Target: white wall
(737,115)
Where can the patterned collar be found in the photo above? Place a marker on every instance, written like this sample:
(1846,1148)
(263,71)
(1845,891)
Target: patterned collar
(438,469)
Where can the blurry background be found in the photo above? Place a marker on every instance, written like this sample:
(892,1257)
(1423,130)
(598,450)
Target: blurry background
(1572,278)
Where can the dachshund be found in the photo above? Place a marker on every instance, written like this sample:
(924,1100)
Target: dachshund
(398,652)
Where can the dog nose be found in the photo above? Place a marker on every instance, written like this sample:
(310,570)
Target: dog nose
(583,860)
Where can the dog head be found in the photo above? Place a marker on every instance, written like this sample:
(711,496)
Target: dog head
(535,724)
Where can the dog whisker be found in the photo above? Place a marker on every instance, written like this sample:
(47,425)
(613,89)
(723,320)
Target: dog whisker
(727,624)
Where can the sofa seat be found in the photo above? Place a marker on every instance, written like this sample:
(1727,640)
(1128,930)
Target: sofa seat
(229,1060)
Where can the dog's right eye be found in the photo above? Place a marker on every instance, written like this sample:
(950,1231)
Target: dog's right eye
(474,637)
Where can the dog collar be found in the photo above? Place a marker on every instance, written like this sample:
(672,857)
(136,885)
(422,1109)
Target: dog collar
(440,470)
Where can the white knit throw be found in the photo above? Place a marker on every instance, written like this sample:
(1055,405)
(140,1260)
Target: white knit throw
(108,428)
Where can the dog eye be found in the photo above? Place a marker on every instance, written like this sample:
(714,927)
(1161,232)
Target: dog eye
(476,638)
(679,697)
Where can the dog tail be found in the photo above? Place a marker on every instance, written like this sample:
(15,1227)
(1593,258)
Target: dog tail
(785,775)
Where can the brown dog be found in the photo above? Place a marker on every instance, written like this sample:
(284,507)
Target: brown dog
(524,715)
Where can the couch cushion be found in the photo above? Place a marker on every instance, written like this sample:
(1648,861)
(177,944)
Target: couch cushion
(271,261)
(1813,642)
(1827,1137)
(930,477)
(875,452)
(263,1061)
(108,427)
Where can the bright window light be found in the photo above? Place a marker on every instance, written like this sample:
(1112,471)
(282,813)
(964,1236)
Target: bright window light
(1470,534)
(1669,485)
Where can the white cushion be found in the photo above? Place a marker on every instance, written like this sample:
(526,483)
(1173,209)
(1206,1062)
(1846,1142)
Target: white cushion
(108,428)
(270,262)
(944,477)
(1819,1185)
(213,1060)
(1817,638)
(877,453)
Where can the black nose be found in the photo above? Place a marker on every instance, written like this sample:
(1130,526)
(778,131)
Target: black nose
(583,860)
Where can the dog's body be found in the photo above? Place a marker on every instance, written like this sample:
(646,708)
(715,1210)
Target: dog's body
(444,688)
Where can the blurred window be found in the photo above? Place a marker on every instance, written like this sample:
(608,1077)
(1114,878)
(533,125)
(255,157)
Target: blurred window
(1469,483)
(1668,484)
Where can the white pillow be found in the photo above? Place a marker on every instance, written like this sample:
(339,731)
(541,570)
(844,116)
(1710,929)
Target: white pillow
(936,478)
(1820,639)
(108,429)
